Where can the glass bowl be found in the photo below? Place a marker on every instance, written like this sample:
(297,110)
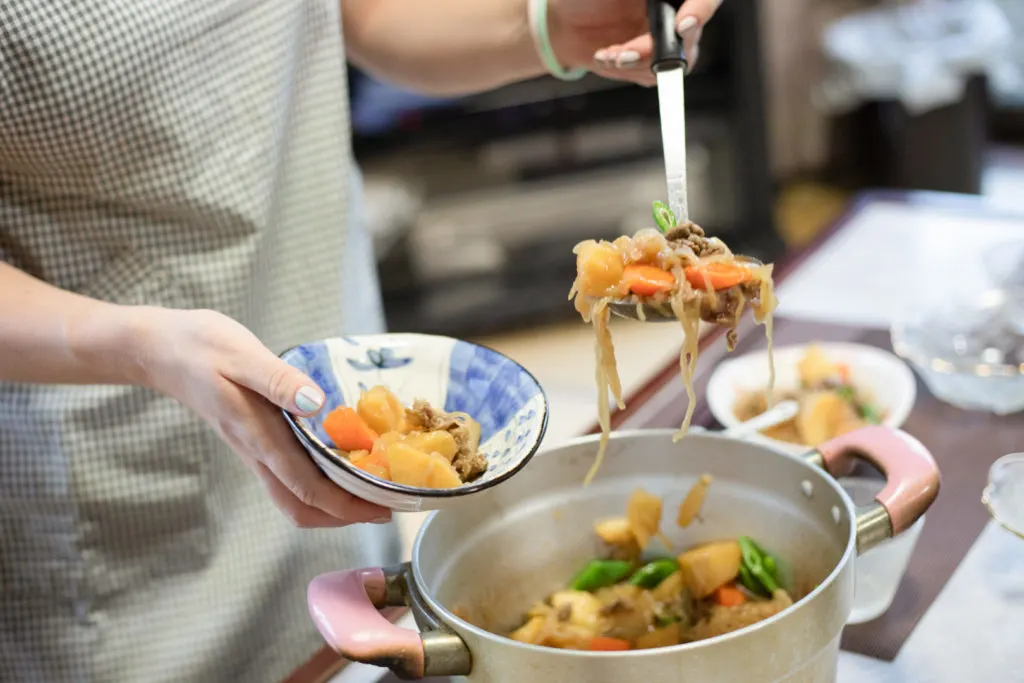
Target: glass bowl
(970,354)
(1004,264)
(879,571)
(1004,495)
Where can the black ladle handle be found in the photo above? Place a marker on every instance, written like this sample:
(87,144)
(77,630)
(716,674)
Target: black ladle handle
(668,46)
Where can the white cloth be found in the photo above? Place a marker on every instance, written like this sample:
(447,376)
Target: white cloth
(191,154)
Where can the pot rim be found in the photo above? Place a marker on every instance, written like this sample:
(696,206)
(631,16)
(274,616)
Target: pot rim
(848,554)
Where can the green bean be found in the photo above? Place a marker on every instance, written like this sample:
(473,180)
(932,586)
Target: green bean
(866,410)
(600,573)
(663,217)
(653,573)
(870,413)
(749,582)
(662,620)
(754,560)
(846,393)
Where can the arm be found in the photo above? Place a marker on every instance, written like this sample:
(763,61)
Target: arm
(205,360)
(51,336)
(442,47)
(455,47)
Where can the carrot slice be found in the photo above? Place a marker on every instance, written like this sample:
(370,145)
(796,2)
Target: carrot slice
(606,644)
(647,280)
(844,372)
(348,431)
(728,595)
(374,462)
(718,274)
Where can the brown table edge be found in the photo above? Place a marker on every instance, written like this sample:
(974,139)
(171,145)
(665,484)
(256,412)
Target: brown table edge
(326,663)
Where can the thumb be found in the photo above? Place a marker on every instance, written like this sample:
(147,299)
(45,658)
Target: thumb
(282,384)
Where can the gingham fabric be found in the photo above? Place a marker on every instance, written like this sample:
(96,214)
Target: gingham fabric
(191,154)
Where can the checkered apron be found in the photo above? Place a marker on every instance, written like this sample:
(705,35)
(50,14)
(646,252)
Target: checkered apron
(188,154)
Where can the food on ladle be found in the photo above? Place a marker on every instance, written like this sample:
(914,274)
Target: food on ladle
(417,446)
(677,266)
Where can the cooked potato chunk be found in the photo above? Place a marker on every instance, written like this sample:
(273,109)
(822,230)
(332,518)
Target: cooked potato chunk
(707,567)
(433,442)
(600,268)
(381,410)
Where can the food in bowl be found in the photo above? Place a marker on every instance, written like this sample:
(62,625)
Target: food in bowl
(626,600)
(675,265)
(831,403)
(418,446)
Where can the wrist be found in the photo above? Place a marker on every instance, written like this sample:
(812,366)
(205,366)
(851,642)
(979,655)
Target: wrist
(561,39)
(114,340)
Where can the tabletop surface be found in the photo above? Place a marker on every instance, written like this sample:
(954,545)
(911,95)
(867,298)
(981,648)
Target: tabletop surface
(980,590)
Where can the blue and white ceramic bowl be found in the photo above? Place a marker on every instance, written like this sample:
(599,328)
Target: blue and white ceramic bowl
(451,375)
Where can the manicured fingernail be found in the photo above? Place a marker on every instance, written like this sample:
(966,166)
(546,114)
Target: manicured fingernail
(601,56)
(627,58)
(380,520)
(308,399)
(685,24)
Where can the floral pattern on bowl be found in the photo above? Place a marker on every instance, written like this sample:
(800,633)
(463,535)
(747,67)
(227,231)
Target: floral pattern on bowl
(454,375)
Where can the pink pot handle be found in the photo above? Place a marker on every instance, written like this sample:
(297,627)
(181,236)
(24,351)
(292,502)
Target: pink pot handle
(344,606)
(912,477)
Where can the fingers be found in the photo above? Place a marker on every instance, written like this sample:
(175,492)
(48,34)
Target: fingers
(296,472)
(255,431)
(691,48)
(632,60)
(694,14)
(277,381)
(238,393)
(635,54)
(299,513)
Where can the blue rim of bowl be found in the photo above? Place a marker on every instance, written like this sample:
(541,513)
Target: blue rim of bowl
(310,440)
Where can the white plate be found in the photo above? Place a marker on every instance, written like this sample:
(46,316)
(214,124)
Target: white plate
(882,374)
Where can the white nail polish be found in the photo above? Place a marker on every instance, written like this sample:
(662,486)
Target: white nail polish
(685,24)
(627,58)
(308,400)
(601,56)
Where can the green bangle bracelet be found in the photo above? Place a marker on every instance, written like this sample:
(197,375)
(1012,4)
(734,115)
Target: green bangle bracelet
(539,25)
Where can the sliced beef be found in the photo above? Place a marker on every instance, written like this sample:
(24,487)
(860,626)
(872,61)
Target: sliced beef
(692,235)
(468,463)
(723,307)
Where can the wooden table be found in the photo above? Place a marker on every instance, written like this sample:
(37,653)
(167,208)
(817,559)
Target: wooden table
(964,443)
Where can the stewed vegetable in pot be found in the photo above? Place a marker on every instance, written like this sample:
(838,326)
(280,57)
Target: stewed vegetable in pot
(633,598)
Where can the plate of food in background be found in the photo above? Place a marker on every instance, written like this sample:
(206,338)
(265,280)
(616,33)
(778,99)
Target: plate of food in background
(839,387)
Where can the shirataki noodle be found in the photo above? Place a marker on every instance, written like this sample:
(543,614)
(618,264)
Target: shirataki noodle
(697,277)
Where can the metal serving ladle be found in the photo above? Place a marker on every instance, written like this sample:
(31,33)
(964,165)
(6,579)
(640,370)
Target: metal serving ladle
(669,66)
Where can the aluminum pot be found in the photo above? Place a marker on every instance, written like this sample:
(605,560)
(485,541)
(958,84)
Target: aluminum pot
(492,557)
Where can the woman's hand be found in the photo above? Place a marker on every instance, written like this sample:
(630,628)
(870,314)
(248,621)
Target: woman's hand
(611,37)
(221,371)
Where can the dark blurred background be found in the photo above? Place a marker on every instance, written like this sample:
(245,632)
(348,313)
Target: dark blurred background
(476,203)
